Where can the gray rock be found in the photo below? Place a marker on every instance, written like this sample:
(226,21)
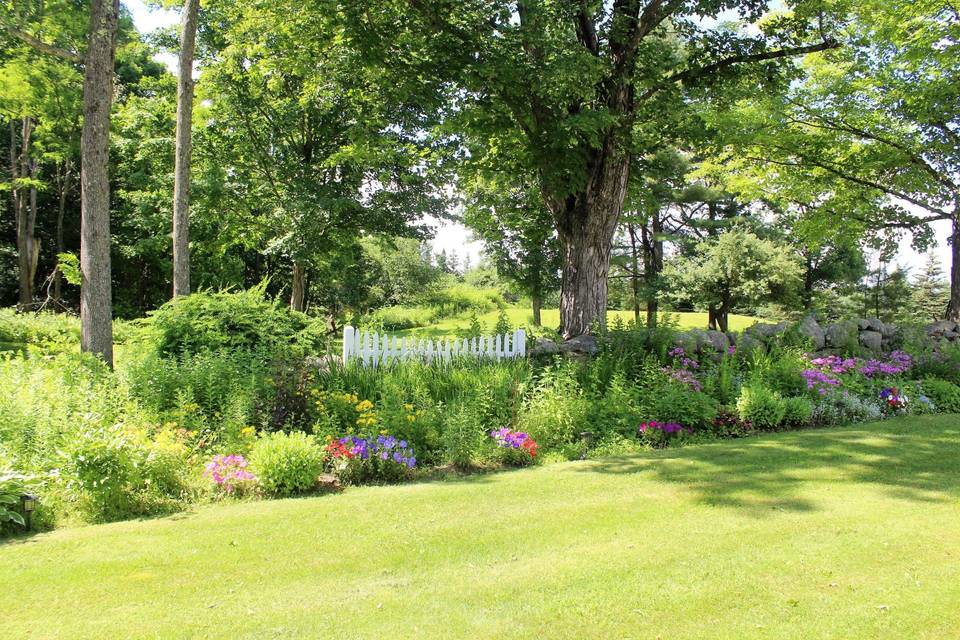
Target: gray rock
(941,326)
(863,324)
(841,334)
(810,328)
(718,340)
(875,324)
(889,330)
(748,343)
(544,347)
(581,345)
(872,340)
(765,330)
(951,335)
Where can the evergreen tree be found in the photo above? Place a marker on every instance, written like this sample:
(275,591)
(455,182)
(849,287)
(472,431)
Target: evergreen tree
(929,296)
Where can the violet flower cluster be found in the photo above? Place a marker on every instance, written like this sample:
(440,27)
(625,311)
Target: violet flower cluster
(383,447)
(896,363)
(507,438)
(227,472)
(818,380)
(665,427)
(684,376)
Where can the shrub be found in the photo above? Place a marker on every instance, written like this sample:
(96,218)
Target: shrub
(762,406)
(728,424)
(38,328)
(359,460)
(675,402)
(514,447)
(660,434)
(241,320)
(286,463)
(13,485)
(798,411)
(556,410)
(945,395)
(114,472)
(398,318)
(463,437)
(844,408)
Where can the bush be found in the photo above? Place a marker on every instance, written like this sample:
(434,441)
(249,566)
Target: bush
(944,395)
(242,320)
(675,402)
(398,318)
(762,406)
(13,486)
(286,463)
(37,328)
(843,408)
(464,437)
(371,459)
(556,411)
(114,472)
(798,411)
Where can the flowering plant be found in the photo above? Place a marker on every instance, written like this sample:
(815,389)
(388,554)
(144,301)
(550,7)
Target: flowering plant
(381,458)
(658,434)
(684,370)
(893,399)
(515,441)
(229,473)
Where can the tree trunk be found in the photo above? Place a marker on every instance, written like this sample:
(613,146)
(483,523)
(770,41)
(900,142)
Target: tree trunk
(712,317)
(586,223)
(298,292)
(25,201)
(63,182)
(953,308)
(723,313)
(635,273)
(537,306)
(96,312)
(181,172)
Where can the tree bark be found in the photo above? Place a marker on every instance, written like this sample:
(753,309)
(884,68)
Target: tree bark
(586,223)
(953,308)
(96,312)
(537,303)
(298,292)
(25,208)
(181,172)
(635,273)
(63,182)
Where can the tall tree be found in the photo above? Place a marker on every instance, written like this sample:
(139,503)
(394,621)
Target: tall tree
(929,293)
(881,113)
(96,300)
(181,179)
(583,84)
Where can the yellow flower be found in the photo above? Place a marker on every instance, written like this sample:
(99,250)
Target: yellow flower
(365,405)
(248,432)
(408,407)
(411,418)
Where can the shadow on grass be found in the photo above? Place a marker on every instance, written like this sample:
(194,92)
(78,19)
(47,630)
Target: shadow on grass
(914,459)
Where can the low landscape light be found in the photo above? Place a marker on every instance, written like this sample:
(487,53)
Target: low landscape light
(28,502)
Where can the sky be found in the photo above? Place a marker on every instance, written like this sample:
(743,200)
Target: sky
(455,238)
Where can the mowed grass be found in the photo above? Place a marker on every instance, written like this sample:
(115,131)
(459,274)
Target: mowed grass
(841,533)
(550,318)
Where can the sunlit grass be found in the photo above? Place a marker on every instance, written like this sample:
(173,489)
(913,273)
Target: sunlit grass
(840,533)
(550,318)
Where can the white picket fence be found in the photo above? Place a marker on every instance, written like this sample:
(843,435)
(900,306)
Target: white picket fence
(372,349)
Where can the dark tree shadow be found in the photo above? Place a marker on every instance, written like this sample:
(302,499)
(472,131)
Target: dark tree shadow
(915,459)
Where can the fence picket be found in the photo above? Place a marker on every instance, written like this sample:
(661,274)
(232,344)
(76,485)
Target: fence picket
(372,349)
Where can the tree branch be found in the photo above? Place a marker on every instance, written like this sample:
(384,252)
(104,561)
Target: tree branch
(587,30)
(43,47)
(692,75)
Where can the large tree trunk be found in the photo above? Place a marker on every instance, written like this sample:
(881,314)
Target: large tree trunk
(953,308)
(298,292)
(181,174)
(96,313)
(586,223)
(537,303)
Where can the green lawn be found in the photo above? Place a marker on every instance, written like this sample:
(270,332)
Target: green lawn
(551,318)
(841,533)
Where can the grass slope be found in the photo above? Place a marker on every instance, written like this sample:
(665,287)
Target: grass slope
(843,533)
(522,316)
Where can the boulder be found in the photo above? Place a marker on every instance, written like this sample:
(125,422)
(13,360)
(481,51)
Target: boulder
(810,328)
(889,330)
(765,330)
(748,343)
(543,347)
(872,340)
(585,345)
(718,340)
(875,324)
(951,335)
(841,334)
(863,324)
(941,326)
